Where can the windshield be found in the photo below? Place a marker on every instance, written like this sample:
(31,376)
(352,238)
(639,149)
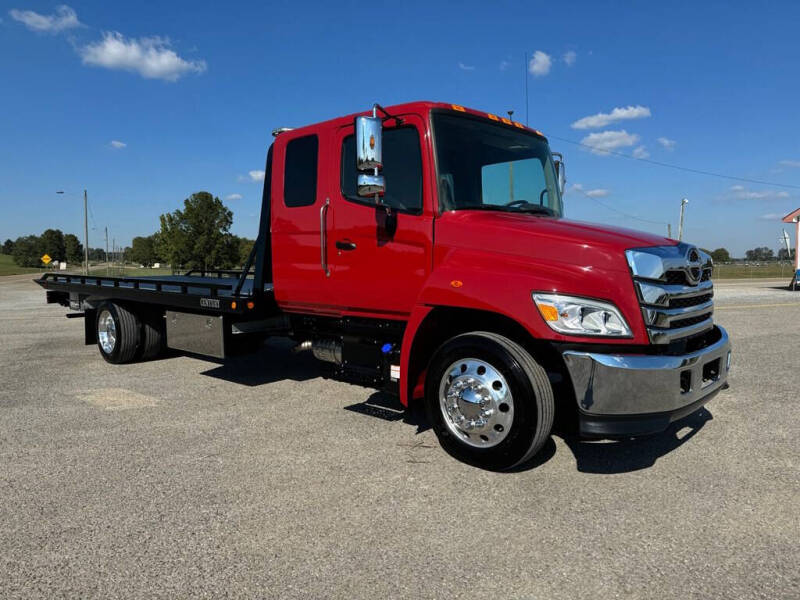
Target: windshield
(493,167)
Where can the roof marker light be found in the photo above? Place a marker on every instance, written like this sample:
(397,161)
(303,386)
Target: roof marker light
(506,121)
(493,117)
(458,107)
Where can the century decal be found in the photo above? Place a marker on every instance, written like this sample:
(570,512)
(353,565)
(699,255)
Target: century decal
(209,302)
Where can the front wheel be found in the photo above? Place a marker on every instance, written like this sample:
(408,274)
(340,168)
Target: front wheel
(489,402)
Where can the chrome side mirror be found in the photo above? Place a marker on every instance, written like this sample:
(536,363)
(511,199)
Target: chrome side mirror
(369,153)
(369,156)
(371,185)
(561,172)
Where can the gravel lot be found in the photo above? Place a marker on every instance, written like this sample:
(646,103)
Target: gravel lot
(259,478)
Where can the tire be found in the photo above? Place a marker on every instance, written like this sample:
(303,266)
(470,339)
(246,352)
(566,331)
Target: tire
(153,338)
(488,401)
(119,333)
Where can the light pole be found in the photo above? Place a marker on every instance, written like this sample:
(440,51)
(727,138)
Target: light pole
(684,202)
(85,231)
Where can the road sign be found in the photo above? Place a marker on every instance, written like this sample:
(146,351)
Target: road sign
(46,259)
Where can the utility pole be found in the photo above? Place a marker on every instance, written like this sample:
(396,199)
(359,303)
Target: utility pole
(106,250)
(669,230)
(684,202)
(85,233)
(511,167)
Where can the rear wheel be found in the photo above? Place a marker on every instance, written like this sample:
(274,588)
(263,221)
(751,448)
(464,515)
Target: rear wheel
(153,338)
(489,402)
(118,333)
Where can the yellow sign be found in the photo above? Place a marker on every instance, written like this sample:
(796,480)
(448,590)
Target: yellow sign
(46,259)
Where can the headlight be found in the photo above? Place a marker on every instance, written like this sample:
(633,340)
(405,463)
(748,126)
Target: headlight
(581,316)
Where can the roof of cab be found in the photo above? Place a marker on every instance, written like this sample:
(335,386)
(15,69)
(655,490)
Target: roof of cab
(422,106)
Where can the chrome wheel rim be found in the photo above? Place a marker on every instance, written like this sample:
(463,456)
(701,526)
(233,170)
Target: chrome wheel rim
(476,403)
(106,332)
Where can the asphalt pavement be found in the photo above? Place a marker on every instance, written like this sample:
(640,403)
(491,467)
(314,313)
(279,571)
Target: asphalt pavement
(259,478)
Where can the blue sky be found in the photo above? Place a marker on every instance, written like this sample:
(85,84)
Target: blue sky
(192,90)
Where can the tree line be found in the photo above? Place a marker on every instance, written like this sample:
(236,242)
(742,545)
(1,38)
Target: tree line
(195,237)
(28,250)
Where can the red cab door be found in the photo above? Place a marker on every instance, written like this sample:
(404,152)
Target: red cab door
(379,266)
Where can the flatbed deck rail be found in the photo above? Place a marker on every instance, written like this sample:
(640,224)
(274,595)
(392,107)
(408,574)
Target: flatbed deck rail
(171,291)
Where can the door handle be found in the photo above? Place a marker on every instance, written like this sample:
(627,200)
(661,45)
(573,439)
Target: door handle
(345,245)
(323,237)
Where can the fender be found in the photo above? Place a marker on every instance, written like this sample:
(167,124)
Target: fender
(418,315)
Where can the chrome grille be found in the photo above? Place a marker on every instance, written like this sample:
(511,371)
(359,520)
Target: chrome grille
(675,290)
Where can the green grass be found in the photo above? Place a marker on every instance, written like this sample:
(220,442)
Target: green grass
(8,267)
(742,271)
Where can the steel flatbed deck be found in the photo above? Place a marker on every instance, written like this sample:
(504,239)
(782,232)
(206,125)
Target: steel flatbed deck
(222,293)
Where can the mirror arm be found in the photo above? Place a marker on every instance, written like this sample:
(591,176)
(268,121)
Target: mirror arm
(377,107)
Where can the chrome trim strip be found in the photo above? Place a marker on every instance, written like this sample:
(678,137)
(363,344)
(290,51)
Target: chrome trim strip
(619,384)
(663,317)
(665,336)
(659,294)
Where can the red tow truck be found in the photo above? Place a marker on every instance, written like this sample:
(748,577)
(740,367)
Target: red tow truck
(423,249)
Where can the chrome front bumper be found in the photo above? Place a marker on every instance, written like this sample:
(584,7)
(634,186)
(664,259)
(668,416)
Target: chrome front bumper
(634,394)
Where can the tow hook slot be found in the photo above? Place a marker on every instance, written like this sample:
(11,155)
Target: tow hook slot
(711,372)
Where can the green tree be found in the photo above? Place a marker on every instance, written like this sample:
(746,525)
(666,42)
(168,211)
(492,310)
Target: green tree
(198,237)
(28,251)
(761,253)
(720,255)
(783,254)
(8,247)
(245,246)
(73,249)
(53,245)
(143,250)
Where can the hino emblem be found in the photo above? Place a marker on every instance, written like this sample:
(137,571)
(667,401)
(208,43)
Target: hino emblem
(694,268)
(209,302)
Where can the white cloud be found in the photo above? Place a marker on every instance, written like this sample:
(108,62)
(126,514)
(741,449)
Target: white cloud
(464,67)
(540,64)
(504,64)
(640,152)
(618,114)
(254,175)
(117,144)
(594,193)
(152,57)
(742,193)
(771,217)
(63,18)
(794,164)
(667,143)
(569,58)
(605,141)
(233,197)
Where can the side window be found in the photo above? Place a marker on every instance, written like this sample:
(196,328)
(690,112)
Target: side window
(300,173)
(402,168)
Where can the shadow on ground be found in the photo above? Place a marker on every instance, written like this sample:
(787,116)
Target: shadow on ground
(634,454)
(274,361)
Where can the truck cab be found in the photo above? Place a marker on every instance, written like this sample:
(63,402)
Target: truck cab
(423,249)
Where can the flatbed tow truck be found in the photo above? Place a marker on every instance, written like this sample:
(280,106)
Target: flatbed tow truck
(422,249)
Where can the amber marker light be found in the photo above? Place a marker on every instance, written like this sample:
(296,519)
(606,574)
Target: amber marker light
(550,313)
(233,305)
(372,141)
(250,305)
(456,283)
(458,107)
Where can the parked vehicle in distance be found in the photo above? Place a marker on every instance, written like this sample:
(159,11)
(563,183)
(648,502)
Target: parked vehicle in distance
(422,249)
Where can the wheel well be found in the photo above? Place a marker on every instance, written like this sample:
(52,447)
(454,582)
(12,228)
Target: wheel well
(443,323)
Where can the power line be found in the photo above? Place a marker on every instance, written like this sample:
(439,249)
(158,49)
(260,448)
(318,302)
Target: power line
(677,167)
(616,210)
